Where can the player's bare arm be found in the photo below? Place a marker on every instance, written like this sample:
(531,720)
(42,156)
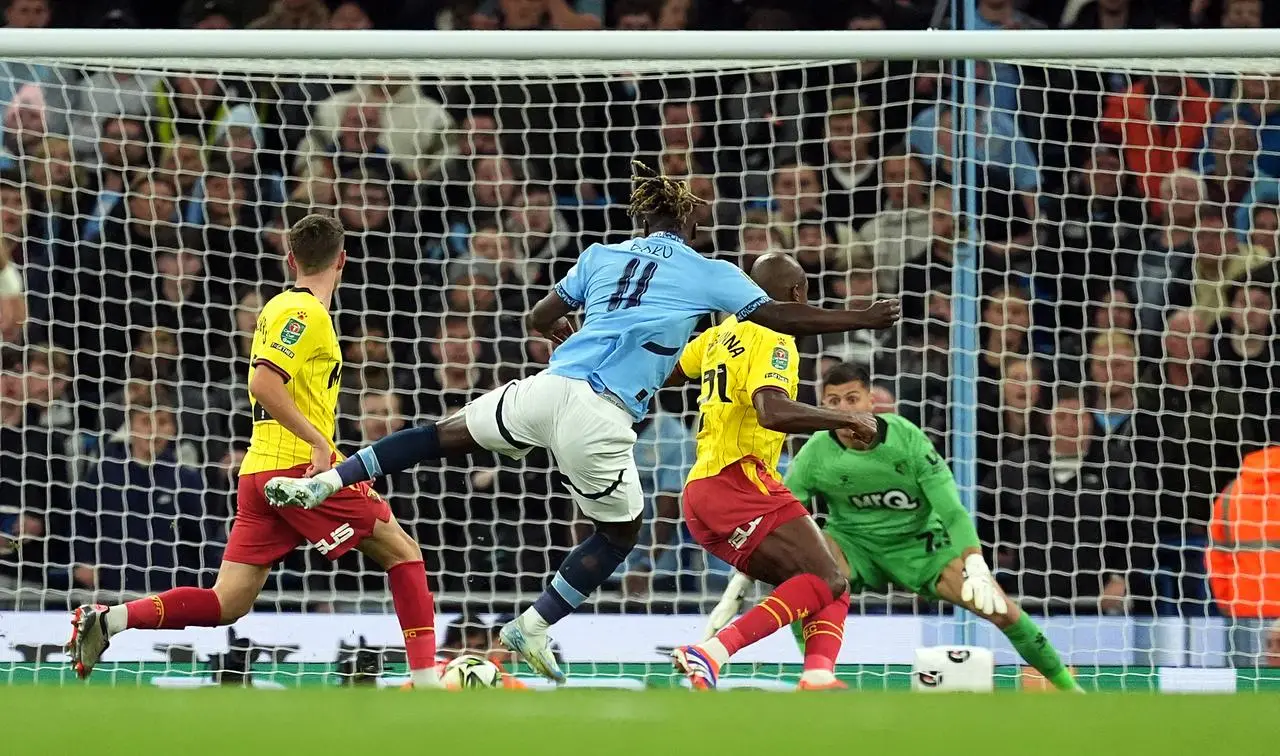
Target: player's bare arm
(270,391)
(549,318)
(778,412)
(782,278)
(797,319)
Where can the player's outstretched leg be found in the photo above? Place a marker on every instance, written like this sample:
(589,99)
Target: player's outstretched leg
(401,557)
(92,626)
(399,451)
(794,557)
(1023,633)
(579,575)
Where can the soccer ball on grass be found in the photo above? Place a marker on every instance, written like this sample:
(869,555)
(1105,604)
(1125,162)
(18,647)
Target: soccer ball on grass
(470,671)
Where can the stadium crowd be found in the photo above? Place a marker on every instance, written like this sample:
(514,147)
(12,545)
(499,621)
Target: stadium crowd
(1125,225)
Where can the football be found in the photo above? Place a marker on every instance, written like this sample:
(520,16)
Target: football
(471,671)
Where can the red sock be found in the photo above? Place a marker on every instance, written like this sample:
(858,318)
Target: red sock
(796,598)
(176,609)
(416,610)
(824,634)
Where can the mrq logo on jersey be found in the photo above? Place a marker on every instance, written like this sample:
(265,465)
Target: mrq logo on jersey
(893,499)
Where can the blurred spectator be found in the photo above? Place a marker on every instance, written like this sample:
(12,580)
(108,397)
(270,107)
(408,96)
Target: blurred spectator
(183,161)
(1009,414)
(796,192)
(183,299)
(41,82)
(107,95)
(539,14)
(457,368)
(293,14)
(140,482)
(226,224)
(121,151)
(13,293)
(1189,436)
(1113,309)
(635,15)
(236,145)
(1246,352)
(1112,382)
(883,87)
(920,271)
(1229,161)
(392,117)
(1064,514)
(154,369)
(210,14)
(756,237)
(384,277)
(1007,168)
(1169,248)
(852,195)
(855,289)
(546,235)
(899,236)
(1108,14)
(1006,322)
(923,368)
(349,16)
(759,115)
(1087,240)
(1159,123)
(192,104)
(1218,261)
(27,14)
(25,125)
(33,472)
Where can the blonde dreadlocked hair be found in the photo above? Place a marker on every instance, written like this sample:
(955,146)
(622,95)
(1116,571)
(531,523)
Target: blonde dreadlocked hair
(655,195)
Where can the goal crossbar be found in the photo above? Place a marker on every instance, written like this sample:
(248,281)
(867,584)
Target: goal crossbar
(640,45)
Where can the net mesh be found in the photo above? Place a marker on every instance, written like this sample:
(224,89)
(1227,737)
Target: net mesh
(1122,215)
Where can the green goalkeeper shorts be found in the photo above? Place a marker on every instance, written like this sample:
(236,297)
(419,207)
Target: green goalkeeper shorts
(913,563)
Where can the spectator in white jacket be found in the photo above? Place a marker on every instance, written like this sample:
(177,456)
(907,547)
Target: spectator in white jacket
(413,130)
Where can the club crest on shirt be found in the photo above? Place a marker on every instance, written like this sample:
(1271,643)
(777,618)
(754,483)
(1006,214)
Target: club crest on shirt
(781,358)
(292,331)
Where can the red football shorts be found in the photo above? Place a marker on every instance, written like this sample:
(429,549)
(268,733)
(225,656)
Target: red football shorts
(731,512)
(263,534)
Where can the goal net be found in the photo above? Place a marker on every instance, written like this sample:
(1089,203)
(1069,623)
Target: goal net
(1084,252)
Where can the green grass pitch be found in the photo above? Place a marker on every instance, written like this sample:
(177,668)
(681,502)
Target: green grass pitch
(104,721)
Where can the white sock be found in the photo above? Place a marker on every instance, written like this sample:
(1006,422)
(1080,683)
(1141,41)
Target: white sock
(533,622)
(424,678)
(117,619)
(716,650)
(331,479)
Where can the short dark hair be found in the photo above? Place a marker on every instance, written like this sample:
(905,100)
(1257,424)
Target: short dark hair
(1069,392)
(315,241)
(846,372)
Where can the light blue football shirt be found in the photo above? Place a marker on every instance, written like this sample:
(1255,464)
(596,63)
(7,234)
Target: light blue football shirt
(643,299)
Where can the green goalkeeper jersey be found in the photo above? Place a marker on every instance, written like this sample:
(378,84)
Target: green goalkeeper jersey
(891,492)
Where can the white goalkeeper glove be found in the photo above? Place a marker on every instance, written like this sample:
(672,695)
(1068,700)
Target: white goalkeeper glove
(729,605)
(980,589)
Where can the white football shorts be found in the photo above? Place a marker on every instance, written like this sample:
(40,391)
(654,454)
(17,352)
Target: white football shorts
(589,436)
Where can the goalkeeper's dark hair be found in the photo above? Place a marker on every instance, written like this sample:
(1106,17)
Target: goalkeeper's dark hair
(660,200)
(846,372)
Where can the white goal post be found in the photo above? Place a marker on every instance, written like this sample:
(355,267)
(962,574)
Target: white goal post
(1088,280)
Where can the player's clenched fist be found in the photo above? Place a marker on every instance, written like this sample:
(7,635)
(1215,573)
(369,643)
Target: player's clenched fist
(864,428)
(882,313)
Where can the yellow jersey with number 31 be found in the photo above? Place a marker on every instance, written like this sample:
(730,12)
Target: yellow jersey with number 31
(294,338)
(734,360)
